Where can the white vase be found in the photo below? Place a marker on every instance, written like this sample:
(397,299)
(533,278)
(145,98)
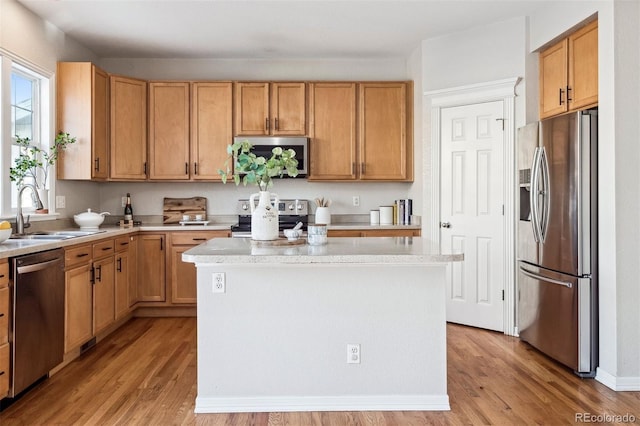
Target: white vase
(264,216)
(323,215)
(43,194)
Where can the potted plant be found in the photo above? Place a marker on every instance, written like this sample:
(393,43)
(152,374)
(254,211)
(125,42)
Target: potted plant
(249,168)
(34,162)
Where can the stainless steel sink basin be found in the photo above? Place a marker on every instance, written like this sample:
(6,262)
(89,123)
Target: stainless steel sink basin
(53,235)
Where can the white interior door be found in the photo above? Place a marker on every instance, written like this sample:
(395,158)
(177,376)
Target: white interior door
(472,212)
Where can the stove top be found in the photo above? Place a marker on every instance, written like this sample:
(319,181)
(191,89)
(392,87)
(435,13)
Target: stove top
(290,212)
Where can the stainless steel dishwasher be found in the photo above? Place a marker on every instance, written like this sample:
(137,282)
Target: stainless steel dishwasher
(37,337)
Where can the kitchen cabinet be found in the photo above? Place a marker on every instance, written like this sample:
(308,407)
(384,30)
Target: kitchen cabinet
(373,232)
(569,73)
(78,296)
(4,328)
(133,270)
(122,276)
(128,141)
(82,110)
(190,126)
(385,138)
(332,129)
(103,287)
(211,128)
(277,108)
(183,274)
(151,267)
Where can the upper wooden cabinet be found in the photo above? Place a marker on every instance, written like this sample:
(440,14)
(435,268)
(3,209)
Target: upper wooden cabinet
(82,110)
(169,131)
(128,128)
(190,126)
(270,108)
(569,73)
(332,129)
(361,131)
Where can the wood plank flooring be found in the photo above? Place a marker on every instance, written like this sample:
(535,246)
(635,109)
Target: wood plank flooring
(145,374)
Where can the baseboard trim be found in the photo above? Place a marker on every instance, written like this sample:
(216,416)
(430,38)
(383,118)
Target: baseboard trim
(322,403)
(619,384)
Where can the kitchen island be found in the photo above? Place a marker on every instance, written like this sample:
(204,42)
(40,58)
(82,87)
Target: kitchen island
(277,325)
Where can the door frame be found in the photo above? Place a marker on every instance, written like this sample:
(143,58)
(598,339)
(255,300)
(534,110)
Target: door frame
(499,90)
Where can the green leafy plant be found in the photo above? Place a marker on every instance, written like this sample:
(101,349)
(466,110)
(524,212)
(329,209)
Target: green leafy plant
(33,159)
(251,169)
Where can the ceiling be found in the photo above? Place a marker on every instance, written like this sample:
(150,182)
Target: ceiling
(268,29)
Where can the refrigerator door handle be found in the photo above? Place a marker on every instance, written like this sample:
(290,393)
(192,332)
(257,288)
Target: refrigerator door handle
(546,279)
(533,194)
(546,195)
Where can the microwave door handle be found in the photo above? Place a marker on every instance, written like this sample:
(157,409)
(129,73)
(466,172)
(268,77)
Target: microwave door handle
(533,194)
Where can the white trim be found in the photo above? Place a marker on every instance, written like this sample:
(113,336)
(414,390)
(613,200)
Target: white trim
(322,403)
(618,384)
(500,90)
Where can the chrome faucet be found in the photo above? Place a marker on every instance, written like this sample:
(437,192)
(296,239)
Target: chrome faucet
(20,225)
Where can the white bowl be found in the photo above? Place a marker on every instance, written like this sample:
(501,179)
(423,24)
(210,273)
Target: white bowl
(292,234)
(4,234)
(89,220)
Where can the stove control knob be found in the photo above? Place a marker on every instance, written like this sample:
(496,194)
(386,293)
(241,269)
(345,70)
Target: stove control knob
(245,206)
(299,207)
(290,206)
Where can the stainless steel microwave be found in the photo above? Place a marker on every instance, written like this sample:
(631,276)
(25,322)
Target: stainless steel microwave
(262,146)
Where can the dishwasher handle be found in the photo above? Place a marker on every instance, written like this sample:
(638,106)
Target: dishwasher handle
(37,266)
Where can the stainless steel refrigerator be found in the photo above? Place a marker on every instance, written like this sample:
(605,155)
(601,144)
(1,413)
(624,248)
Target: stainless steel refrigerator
(557,239)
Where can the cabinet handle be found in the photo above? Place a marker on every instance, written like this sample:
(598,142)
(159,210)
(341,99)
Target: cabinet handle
(186,168)
(199,239)
(82,255)
(195,168)
(1,315)
(2,276)
(161,243)
(144,168)
(362,168)
(1,373)
(97,161)
(119,268)
(276,121)
(560,96)
(92,278)
(266,124)
(99,276)
(124,243)
(105,248)
(568,94)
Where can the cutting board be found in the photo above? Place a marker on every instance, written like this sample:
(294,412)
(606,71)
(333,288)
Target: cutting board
(174,208)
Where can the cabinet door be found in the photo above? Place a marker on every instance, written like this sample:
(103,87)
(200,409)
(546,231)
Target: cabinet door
(122,275)
(583,67)
(133,270)
(169,131)
(332,128)
(4,315)
(252,109)
(383,147)
(288,109)
(78,324)
(103,294)
(82,109)
(128,128)
(4,370)
(151,268)
(553,80)
(183,277)
(211,128)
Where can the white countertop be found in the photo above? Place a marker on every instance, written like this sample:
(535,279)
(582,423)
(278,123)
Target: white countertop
(337,250)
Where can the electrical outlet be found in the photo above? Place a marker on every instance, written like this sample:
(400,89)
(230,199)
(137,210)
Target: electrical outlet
(356,200)
(123,201)
(61,202)
(219,282)
(353,353)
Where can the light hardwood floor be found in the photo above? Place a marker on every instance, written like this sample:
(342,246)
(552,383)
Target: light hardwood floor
(145,374)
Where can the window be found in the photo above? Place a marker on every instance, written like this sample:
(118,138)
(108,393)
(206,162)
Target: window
(28,103)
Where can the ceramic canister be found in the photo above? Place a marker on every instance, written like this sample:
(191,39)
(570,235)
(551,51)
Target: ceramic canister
(386,215)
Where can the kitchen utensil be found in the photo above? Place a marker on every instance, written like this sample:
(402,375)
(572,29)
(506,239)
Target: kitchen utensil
(292,234)
(89,220)
(298,226)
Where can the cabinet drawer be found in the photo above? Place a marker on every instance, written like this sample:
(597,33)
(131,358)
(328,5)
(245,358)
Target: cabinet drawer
(4,370)
(4,274)
(122,243)
(195,238)
(4,315)
(103,248)
(77,255)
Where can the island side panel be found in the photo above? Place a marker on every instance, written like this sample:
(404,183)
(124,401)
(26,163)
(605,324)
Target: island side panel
(276,340)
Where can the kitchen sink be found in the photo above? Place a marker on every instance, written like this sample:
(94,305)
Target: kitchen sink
(53,235)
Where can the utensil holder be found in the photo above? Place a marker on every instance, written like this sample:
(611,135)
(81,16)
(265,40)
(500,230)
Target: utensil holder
(323,216)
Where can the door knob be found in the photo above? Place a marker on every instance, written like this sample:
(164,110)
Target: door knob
(445,225)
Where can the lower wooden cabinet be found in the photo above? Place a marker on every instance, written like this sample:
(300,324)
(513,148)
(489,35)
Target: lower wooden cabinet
(374,233)
(78,323)
(4,328)
(123,275)
(104,313)
(182,274)
(151,277)
(4,370)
